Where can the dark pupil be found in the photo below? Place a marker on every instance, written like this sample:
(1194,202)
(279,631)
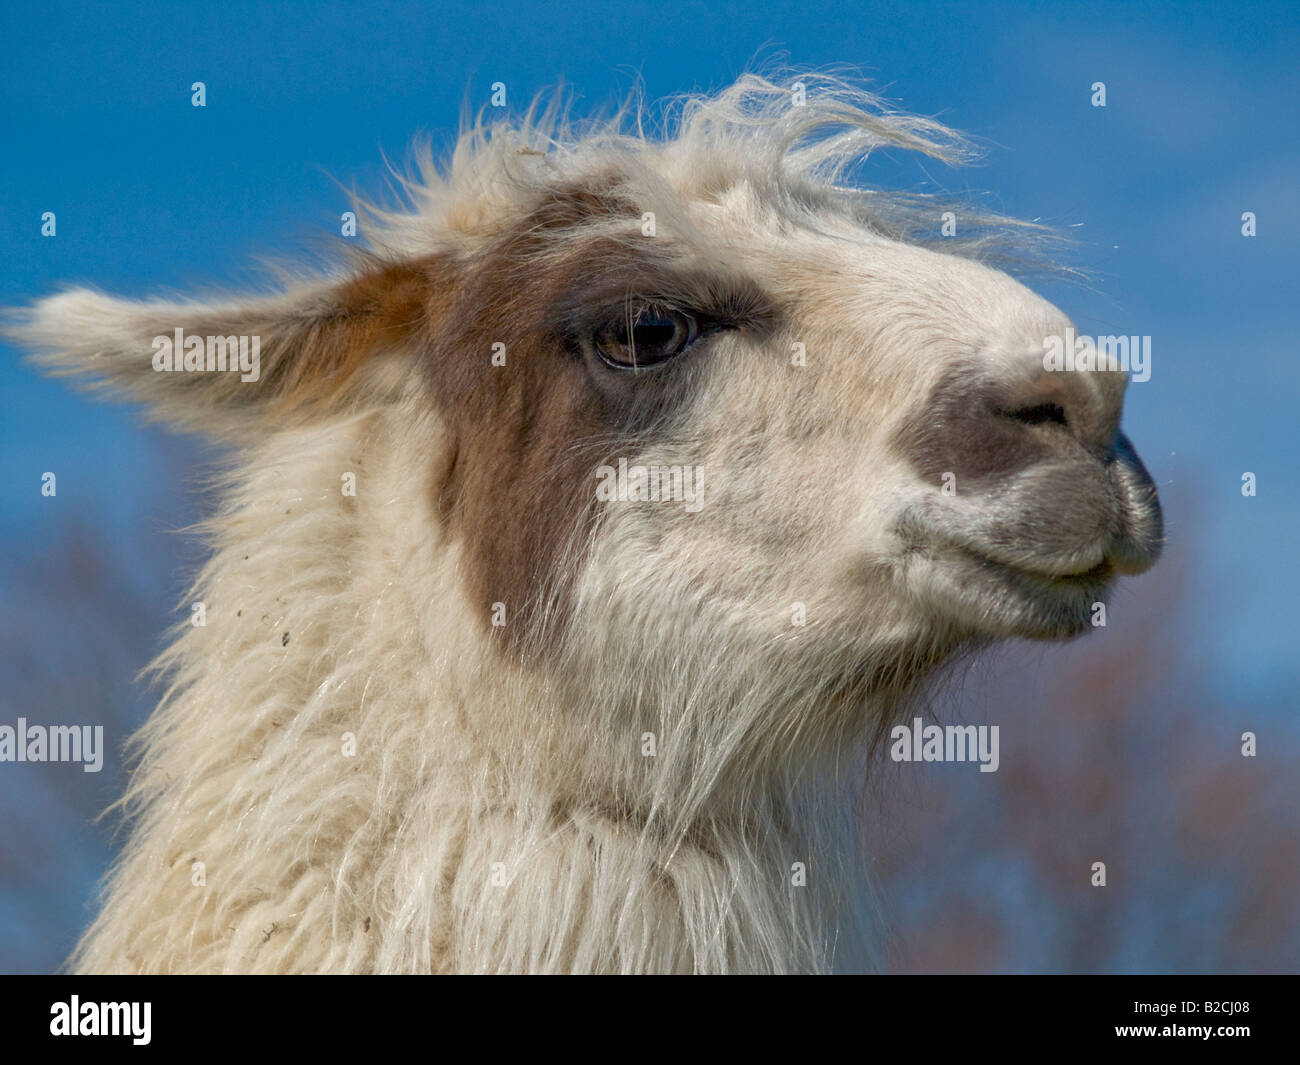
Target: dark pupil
(653,334)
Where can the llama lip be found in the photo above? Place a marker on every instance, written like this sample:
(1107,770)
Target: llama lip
(995,598)
(1139,507)
(1082,567)
(1089,578)
(1050,575)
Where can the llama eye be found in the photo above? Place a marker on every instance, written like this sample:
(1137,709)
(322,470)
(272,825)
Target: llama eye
(653,336)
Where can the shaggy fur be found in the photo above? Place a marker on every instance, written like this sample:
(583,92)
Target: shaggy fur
(593,736)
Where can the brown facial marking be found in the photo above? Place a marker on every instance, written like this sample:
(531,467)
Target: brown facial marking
(527,437)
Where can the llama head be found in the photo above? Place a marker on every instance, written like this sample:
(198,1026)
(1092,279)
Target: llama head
(708,415)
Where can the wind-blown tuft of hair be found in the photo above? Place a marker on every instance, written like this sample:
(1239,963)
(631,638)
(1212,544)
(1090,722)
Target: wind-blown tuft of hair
(802,159)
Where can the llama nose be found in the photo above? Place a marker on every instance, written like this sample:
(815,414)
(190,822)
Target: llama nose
(990,421)
(1086,402)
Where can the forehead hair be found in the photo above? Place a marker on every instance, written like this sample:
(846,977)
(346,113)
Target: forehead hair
(794,145)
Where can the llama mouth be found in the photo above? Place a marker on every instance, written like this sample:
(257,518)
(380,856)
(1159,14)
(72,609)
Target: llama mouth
(1000,599)
(1047,576)
(1035,564)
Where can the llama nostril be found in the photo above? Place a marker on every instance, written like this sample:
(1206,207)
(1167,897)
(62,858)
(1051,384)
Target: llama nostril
(1038,414)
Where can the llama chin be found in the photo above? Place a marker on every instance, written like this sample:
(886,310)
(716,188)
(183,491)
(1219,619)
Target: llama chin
(453,709)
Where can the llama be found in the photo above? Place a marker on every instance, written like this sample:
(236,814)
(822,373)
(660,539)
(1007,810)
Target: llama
(455,708)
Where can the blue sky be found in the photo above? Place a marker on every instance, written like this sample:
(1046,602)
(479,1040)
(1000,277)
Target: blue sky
(1202,123)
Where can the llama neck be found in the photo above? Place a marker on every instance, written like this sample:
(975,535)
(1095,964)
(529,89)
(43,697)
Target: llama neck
(344,776)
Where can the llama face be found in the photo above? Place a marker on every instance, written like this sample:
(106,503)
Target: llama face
(884,467)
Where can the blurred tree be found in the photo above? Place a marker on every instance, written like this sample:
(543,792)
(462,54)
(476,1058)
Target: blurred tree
(87,596)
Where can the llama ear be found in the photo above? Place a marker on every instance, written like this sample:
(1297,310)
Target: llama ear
(217,368)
